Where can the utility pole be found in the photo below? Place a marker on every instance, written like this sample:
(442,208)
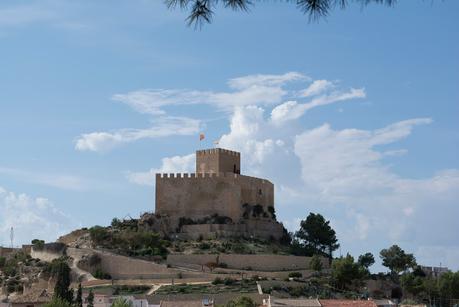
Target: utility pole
(12,236)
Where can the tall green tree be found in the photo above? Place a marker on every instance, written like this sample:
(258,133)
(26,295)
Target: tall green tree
(347,273)
(90,298)
(412,284)
(316,237)
(449,286)
(202,11)
(79,297)
(61,273)
(397,260)
(366,260)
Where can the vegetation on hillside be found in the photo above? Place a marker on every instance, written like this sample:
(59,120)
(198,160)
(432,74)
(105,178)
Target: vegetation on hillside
(127,238)
(218,286)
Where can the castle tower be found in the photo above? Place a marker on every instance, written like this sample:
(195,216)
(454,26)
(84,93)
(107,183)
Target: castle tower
(218,160)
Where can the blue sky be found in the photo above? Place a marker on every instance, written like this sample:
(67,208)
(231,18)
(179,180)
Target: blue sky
(354,117)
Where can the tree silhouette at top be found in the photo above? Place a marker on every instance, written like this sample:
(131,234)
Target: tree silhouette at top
(202,11)
(316,237)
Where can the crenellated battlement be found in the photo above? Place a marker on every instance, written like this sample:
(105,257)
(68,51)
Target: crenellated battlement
(181,176)
(214,151)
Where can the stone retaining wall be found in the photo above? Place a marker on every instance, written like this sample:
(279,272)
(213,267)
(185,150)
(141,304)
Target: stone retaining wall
(267,263)
(49,252)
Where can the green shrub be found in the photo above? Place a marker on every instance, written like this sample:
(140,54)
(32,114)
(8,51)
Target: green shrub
(257,210)
(99,274)
(295,275)
(99,235)
(229,281)
(38,244)
(204,245)
(316,263)
(217,281)
(238,248)
(121,302)
(57,302)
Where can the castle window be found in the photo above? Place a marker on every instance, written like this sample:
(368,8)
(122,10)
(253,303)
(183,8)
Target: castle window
(260,192)
(234,169)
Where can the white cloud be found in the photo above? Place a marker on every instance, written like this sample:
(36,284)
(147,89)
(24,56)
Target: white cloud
(338,163)
(317,87)
(292,110)
(31,218)
(151,101)
(104,141)
(247,135)
(176,164)
(248,90)
(265,80)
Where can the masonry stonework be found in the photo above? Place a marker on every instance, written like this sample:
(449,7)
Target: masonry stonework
(218,189)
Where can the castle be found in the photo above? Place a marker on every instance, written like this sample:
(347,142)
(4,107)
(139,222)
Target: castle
(217,201)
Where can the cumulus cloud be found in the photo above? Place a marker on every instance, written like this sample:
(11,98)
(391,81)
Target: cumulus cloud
(36,216)
(104,141)
(175,164)
(337,163)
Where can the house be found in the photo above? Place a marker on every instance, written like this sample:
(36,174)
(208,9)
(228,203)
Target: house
(434,271)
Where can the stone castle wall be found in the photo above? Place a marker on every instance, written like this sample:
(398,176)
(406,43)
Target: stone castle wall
(197,195)
(250,229)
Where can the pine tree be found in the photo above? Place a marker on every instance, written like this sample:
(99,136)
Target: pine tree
(91,298)
(79,297)
(61,271)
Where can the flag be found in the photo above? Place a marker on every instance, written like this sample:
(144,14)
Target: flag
(201,136)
